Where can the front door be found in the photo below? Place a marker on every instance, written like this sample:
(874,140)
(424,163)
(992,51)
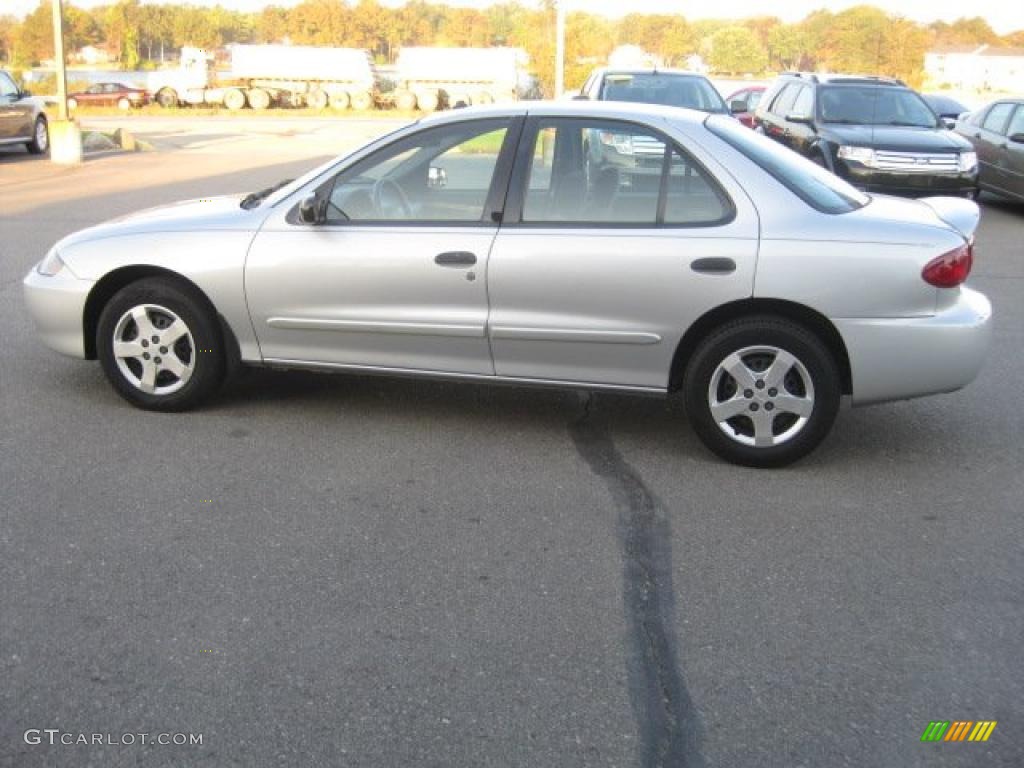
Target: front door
(615,241)
(395,276)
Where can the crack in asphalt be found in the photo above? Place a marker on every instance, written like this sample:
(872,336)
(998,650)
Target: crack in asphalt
(670,734)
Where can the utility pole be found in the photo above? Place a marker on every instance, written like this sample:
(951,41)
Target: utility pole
(58,60)
(559,48)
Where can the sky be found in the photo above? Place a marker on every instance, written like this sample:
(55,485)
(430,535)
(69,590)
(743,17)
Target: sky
(1003,15)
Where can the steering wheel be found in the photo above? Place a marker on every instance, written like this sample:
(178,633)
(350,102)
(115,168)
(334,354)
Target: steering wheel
(388,188)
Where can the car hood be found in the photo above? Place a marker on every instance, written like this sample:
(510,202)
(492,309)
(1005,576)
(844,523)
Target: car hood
(201,215)
(896,138)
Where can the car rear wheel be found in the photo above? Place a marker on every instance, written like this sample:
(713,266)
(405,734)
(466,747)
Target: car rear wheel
(124,104)
(160,345)
(40,142)
(167,98)
(762,391)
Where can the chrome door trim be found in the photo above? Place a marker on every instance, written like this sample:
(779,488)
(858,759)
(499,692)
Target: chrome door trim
(571,334)
(363,326)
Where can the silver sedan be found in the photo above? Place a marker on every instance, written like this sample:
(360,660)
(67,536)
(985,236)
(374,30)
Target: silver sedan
(597,245)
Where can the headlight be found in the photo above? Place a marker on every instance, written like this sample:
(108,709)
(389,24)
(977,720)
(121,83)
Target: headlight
(968,161)
(51,264)
(863,155)
(622,143)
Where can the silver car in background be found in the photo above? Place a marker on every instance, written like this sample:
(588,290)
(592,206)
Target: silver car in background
(479,245)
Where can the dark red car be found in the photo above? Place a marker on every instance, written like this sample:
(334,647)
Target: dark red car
(109,95)
(743,103)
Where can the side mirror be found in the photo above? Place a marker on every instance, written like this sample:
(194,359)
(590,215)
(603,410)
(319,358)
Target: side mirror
(24,93)
(798,117)
(309,210)
(948,123)
(738,105)
(437,177)
(1016,138)
(581,97)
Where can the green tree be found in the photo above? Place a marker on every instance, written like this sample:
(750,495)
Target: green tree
(785,46)
(736,50)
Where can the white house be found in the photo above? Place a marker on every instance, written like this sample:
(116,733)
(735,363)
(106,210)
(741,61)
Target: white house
(976,68)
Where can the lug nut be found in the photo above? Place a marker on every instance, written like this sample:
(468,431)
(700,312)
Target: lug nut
(771,392)
(158,361)
(145,343)
(156,339)
(759,384)
(754,406)
(145,355)
(767,406)
(163,351)
(748,393)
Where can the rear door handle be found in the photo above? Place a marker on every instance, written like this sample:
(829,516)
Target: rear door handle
(455,259)
(713,265)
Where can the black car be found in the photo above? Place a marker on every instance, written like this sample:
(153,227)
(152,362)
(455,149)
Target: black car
(876,133)
(997,133)
(671,87)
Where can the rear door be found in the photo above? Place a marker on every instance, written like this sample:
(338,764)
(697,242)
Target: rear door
(13,121)
(598,269)
(988,139)
(1013,159)
(775,124)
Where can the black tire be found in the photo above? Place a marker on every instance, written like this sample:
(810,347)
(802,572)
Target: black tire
(167,98)
(40,143)
(207,355)
(762,333)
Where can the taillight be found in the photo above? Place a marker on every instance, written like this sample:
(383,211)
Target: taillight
(950,269)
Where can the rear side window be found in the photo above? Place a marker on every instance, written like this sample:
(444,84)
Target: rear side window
(1017,123)
(7,86)
(783,103)
(811,183)
(611,173)
(692,92)
(996,118)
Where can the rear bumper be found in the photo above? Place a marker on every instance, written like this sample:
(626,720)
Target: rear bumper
(901,358)
(57,307)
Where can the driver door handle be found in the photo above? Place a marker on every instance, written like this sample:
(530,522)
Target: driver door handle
(455,259)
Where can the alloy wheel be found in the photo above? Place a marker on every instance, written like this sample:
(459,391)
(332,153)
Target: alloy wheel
(154,349)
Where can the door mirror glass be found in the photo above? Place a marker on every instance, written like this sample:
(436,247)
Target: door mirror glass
(1017,138)
(309,210)
(738,105)
(799,117)
(437,177)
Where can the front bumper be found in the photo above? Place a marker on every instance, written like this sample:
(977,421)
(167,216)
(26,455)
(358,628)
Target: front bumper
(57,307)
(894,182)
(901,358)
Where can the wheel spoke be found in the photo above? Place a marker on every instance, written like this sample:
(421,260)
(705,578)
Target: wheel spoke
(171,363)
(128,348)
(728,408)
(762,421)
(781,365)
(141,317)
(799,406)
(148,381)
(172,333)
(736,368)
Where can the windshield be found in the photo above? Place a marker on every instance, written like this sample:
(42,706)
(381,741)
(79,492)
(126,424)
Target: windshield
(874,105)
(663,88)
(811,183)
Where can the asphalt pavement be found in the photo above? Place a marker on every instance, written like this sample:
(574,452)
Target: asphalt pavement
(337,570)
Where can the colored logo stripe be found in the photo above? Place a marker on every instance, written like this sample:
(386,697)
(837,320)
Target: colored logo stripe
(958,730)
(982,730)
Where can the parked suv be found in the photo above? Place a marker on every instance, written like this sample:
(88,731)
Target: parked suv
(22,120)
(874,132)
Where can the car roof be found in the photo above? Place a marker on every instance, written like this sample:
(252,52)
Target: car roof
(649,71)
(836,78)
(623,110)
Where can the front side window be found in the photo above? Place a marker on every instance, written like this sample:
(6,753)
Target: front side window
(813,184)
(996,118)
(439,175)
(611,173)
(1017,123)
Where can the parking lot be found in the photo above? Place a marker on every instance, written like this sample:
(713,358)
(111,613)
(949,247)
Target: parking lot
(358,571)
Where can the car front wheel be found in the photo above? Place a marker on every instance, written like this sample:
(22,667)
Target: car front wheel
(160,345)
(40,142)
(762,391)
